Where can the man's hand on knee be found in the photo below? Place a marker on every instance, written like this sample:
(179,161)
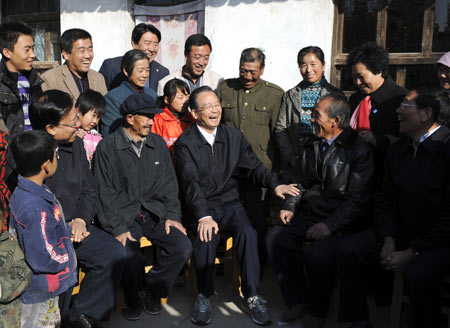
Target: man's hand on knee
(206,227)
(286,216)
(318,231)
(124,236)
(175,224)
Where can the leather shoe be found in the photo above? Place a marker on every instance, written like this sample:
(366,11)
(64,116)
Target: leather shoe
(83,321)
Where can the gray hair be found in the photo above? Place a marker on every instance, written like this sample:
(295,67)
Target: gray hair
(338,107)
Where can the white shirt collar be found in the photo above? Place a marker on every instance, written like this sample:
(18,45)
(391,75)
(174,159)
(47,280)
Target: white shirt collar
(210,137)
(428,134)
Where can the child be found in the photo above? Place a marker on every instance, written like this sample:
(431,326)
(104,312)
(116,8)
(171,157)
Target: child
(38,220)
(91,107)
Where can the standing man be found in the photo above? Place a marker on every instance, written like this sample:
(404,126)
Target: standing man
(208,154)
(252,105)
(197,50)
(75,75)
(19,82)
(138,196)
(145,37)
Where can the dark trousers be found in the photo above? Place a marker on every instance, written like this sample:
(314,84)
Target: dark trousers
(104,259)
(232,220)
(423,277)
(284,243)
(175,250)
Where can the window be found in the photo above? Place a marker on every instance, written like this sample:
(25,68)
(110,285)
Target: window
(44,17)
(415,32)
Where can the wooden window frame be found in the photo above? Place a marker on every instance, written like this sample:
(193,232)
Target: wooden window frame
(400,60)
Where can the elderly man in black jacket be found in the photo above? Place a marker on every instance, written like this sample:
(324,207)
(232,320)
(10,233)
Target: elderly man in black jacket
(208,156)
(333,171)
(412,212)
(138,195)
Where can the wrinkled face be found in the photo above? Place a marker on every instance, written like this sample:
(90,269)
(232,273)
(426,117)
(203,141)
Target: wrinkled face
(365,80)
(179,103)
(198,59)
(311,68)
(80,59)
(22,56)
(444,76)
(148,44)
(250,73)
(323,125)
(140,125)
(89,120)
(64,132)
(409,116)
(140,73)
(209,111)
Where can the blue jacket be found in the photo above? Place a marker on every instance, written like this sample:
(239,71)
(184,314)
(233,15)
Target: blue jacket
(44,237)
(114,99)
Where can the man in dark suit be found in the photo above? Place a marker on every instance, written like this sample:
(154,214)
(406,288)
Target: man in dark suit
(145,37)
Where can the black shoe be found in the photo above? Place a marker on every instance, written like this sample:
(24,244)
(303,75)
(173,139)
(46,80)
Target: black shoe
(132,314)
(201,311)
(151,303)
(83,321)
(256,307)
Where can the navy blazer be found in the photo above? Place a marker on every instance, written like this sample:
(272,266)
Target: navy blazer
(110,69)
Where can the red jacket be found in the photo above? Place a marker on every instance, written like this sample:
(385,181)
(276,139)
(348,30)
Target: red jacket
(169,127)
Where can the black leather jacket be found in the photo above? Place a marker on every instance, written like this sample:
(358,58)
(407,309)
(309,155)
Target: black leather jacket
(10,107)
(336,191)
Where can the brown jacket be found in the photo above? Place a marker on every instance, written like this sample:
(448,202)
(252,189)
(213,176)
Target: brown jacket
(60,78)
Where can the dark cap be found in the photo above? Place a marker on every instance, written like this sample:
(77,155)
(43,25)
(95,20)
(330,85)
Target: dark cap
(139,103)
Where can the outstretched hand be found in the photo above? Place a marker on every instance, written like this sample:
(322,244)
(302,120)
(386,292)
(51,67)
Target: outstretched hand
(290,189)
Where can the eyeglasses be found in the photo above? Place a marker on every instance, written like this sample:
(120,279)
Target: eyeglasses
(406,105)
(74,126)
(210,106)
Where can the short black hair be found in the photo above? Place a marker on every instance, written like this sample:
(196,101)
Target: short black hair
(30,150)
(196,40)
(10,32)
(143,28)
(317,51)
(70,36)
(372,55)
(129,60)
(171,88)
(250,55)
(49,109)
(91,99)
(338,106)
(432,96)
(193,98)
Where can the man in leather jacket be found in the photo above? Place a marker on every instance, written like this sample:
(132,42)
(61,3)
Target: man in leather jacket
(333,171)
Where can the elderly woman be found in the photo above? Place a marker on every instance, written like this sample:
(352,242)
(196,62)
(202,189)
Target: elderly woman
(135,66)
(297,104)
(443,67)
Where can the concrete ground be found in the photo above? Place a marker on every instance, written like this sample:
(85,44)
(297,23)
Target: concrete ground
(225,309)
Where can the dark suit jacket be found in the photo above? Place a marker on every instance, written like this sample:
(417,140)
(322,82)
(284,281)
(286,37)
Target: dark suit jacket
(114,77)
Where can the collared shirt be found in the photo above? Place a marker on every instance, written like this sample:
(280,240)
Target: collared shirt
(423,138)
(192,85)
(210,137)
(135,145)
(82,83)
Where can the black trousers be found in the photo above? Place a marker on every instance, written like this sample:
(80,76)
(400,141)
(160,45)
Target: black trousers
(422,279)
(104,259)
(232,220)
(175,250)
(283,244)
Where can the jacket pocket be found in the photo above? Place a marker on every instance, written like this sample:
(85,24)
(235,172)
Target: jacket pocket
(262,115)
(229,110)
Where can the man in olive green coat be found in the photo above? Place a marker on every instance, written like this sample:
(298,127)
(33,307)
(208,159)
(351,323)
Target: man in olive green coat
(252,105)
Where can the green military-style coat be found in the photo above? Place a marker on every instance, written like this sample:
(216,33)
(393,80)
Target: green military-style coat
(254,112)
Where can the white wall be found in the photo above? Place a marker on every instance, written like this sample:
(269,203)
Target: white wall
(280,27)
(108,21)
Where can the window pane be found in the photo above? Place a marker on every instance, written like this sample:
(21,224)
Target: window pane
(23,7)
(46,35)
(360,23)
(441,32)
(420,74)
(404,25)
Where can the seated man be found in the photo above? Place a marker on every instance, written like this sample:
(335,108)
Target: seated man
(75,75)
(208,156)
(333,172)
(412,215)
(138,196)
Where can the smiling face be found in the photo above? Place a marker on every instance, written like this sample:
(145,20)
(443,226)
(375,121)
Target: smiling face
(179,103)
(250,73)
(139,125)
(22,56)
(410,117)
(148,44)
(365,80)
(324,126)
(80,58)
(89,120)
(311,68)
(64,132)
(140,73)
(209,111)
(444,76)
(198,59)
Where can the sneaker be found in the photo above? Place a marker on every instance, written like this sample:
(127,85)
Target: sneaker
(309,321)
(131,314)
(256,307)
(151,303)
(201,311)
(292,313)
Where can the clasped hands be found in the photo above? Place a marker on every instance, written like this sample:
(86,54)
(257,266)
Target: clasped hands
(394,260)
